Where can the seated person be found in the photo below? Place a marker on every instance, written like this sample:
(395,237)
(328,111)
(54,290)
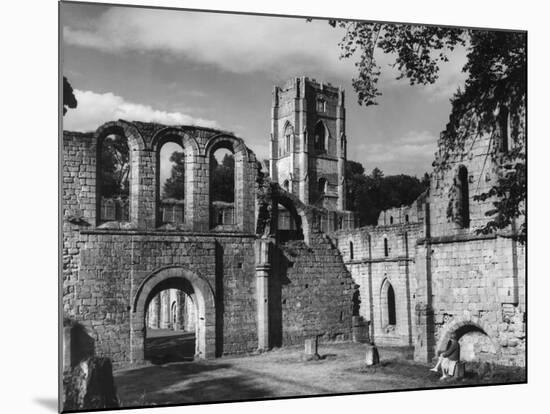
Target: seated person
(449,358)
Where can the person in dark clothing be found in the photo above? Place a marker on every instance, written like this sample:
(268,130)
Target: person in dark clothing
(448,358)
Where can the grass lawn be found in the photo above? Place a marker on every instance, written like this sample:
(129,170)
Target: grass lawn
(284,373)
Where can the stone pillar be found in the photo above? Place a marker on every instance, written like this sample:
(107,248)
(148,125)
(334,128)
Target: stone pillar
(180,304)
(154,312)
(263,268)
(424,346)
(341,149)
(165,309)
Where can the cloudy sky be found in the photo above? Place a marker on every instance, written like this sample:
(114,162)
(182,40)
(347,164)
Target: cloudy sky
(218,70)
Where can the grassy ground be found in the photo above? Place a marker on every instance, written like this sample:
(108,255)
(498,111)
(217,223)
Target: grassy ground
(283,373)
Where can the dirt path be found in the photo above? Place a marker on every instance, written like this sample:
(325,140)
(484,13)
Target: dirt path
(281,373)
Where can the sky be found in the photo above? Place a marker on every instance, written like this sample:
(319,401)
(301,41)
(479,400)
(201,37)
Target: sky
(218,70)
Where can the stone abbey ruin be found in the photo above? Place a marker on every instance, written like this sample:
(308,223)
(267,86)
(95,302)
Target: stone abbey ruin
(283,261)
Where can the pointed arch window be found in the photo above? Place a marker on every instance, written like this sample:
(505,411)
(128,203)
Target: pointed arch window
(463,216)
(320,137)
(387,305)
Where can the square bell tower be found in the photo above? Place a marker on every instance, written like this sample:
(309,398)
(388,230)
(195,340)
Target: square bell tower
(308,142)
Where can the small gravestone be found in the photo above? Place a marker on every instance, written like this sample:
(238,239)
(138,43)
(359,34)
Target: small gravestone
(371,356)
(460,370)
(310,351)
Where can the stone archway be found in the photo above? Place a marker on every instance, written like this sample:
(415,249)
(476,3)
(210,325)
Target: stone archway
(178,278)
(471,333)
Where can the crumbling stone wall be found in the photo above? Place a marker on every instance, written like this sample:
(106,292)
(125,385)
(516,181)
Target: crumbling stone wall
(312,292)
(469,280)
(107,264)
(372,270)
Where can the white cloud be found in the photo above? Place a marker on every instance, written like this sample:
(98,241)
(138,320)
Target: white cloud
(94,109)
(236,43)
(409,154)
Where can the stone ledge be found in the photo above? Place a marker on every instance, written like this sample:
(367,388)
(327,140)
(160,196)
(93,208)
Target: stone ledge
(124,232)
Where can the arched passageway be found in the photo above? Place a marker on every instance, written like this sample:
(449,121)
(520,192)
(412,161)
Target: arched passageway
(171,324)
(475,344)
(152,330)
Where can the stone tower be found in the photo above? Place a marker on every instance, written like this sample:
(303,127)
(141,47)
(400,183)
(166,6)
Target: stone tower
(308,142)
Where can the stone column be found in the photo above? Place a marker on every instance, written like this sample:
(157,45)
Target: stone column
(165,309)
(154,312)
(424,346)
(180,304)
(341,149)
(263,268)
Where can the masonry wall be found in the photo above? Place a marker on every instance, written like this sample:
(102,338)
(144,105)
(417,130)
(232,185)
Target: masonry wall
(471,283)
(107,263)
(372,270)
(311,292)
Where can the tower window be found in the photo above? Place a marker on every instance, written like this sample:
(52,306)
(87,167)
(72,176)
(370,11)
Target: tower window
(321,105)
(322,185)
(386,249)
(319,142)
(351,250)
(287,144)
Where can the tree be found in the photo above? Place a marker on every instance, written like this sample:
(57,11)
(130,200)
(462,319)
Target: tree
(69,100)
(222,180)
(496,85)
(174,186)
(115,167)
(369,195)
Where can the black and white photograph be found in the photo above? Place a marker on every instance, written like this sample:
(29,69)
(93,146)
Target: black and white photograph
(264,206)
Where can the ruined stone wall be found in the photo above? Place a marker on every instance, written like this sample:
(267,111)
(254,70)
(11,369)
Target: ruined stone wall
(104,263)
(372,270)
(472,284)
(112,266)
(311,292)
(479,285)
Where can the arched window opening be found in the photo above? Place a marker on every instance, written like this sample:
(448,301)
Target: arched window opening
(391,306)
(351,250)
(114,183)
(464,198)
(391,219)
(171,161)
(222,187)
(171,312)
(322,185)
(286,143)
(289,224)
(321,105)
(406,218)
(319,141)
(386,249)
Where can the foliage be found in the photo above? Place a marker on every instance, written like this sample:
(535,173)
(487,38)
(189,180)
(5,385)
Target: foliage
(69,100)
(222,179)
(115,167)
(495,91)
(174,186)
(369,194)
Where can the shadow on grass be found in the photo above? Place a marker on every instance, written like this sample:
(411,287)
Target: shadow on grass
(184,383)
(475,373)
(170,348)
